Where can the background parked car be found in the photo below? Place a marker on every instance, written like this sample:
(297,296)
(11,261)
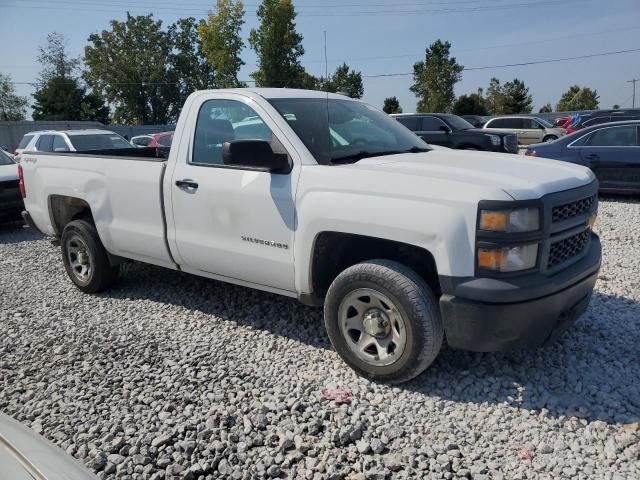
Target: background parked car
(476,120)
(529,129)
(73,141)
(455,132)
(603,116)
(11,204)
(611,150)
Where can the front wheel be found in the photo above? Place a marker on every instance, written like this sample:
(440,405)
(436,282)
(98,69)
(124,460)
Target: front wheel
(85,258)
(549,138)
(383,320)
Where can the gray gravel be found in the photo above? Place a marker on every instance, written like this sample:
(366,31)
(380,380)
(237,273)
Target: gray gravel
(172,376)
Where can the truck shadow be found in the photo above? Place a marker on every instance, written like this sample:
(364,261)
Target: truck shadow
(592,372)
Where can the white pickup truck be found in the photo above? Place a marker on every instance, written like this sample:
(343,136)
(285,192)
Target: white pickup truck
(327,199)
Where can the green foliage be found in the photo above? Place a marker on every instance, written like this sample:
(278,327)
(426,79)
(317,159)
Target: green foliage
(510,98)
(279,47)
(188,66)
(435,78)
(55,59)
(344,80)
(472,104)
(516,97)
(62,98)
(616,106)
(222,44)
(494,99)
(12,107)
(577,98)
(546,109)
(391,105)
(128,66)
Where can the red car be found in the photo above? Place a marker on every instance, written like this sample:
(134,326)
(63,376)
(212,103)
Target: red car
(162,139)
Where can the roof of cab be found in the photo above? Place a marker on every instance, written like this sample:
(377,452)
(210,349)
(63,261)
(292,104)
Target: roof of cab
(86,131)
(281,93)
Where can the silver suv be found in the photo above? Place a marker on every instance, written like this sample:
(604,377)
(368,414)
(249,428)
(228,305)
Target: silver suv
(530,130)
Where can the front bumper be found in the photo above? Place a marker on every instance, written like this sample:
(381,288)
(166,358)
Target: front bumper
(493,315)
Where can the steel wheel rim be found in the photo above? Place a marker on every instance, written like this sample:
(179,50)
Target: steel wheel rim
(79,258)
(372,327)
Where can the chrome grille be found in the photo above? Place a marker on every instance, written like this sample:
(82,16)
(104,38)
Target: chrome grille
(564,250)
(511,143)
(572,209)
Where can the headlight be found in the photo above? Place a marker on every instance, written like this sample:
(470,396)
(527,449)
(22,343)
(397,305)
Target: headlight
(510,221)
(508,259)
(495,139)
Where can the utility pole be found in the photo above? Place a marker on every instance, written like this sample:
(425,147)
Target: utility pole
(634,80)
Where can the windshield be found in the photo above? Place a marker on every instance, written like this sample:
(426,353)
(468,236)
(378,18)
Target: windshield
(336,130)
(25,140)
(544,122)
(5,159)
(457,123)
(98,141)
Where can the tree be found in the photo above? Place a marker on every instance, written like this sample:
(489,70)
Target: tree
(435,78)
(472,104)
(13,108)
(62,98)
(616,106)
(130,66)
(279,47)
(344,80)
(546,109)
(494,100)
(222,44)
(577,98)
(392,105)
(516,98)
(55,59)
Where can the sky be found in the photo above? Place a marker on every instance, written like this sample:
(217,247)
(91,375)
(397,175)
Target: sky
(386,37)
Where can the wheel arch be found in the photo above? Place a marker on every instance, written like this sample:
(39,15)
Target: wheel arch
(64,209)
(333,252)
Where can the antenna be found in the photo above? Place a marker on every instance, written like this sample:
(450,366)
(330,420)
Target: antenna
(326,63)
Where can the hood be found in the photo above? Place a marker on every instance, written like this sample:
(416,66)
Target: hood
(8,172)
(521,177)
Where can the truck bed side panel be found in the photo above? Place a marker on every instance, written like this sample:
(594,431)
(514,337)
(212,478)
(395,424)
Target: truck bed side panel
(124,196)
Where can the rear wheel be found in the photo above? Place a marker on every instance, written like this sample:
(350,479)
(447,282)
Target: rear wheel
(383,320)
(85,258)
(549,138)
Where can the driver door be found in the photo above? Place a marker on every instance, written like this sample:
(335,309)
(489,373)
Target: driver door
(232,222)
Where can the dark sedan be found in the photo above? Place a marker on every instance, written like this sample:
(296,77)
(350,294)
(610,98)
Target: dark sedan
(611,150)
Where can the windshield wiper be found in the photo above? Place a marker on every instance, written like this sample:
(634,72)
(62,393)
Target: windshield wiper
(366,154)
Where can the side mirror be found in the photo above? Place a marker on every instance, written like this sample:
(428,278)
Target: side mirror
(254,154)
(61,149)
(445,129)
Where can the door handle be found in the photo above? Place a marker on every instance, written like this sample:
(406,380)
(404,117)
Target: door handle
(593,156)
(187,184)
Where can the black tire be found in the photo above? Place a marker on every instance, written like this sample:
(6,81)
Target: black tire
(413,300)
(549,138)
(80,242)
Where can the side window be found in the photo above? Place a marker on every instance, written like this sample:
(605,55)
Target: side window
(504,123)
(44,143)
(166,140)
(412,123)
(431,124)
(221,121)
(530,123)
(59,145)
(614,137)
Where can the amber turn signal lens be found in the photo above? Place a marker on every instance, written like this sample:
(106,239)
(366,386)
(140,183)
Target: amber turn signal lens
(491,259)
(493,220)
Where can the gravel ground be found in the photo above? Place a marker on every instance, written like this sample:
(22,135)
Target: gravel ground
(172,376)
